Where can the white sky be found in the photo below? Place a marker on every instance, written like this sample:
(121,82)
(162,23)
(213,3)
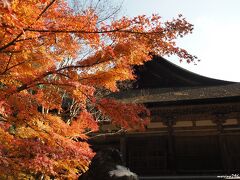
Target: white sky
(216,36)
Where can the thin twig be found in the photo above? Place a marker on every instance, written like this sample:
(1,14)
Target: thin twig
(9,60)
(109,134)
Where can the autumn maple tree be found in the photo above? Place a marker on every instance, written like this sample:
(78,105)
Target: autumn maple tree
(49,51)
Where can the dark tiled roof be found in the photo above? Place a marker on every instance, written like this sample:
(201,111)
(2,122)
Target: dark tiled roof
(178,94)
(162,81)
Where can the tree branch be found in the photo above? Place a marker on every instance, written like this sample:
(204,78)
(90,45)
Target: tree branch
(11,42)
(91,32)
(7,69)
(20,34)
(45,9)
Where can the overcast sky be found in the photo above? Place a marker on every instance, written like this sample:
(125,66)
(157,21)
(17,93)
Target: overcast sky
(216,36)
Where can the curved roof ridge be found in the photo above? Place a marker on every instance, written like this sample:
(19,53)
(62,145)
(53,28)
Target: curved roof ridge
(161,73)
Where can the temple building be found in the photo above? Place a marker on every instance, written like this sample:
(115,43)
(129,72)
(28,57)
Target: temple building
(194,128)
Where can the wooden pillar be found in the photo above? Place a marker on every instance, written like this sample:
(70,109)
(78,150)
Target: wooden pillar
(169,122)
(238,120)
(226,161)
(123,149)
